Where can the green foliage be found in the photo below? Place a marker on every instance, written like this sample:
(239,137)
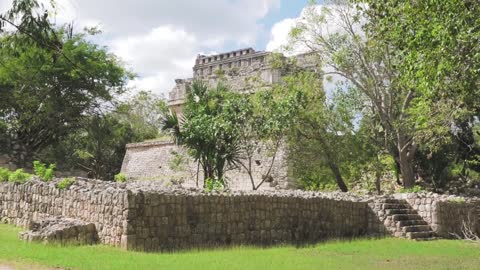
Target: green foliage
(120,178)
(415,189)
(19,176)
(142,112)
(208,129)
(72,78)
(177,162)
(458,200)
(41,170)
(213,185)
(4,174)
(65,183)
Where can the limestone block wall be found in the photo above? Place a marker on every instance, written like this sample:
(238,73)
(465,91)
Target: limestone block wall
(170,165)
(163,221)
(446,213)
(92,201)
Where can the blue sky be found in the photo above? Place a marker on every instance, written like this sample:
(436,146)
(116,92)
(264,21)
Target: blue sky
(160,39)
(287,9)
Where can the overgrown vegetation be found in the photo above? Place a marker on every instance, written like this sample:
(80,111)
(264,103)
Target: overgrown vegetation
(4,174)
(65,183)
(401,107)
(41,170)
(19,176)
(120,178)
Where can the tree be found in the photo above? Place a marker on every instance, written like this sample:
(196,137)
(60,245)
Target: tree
(206,130)
(98,145)
(438,58)
(262,121)
(369,67)
(143,112)
(50,79)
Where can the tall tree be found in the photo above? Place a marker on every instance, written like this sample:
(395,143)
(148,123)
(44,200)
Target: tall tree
(438,59)
(368,66)
(50,78)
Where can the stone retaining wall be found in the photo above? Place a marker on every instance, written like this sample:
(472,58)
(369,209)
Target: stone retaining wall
(172,221)
(446,213)
(92,201)
(143,216)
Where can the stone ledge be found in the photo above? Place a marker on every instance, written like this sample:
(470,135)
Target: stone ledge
(61,230)
(150,144)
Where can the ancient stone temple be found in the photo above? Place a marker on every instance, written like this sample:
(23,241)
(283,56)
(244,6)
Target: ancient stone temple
(243,70)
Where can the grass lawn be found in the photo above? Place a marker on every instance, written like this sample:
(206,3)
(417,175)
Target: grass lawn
(359,254)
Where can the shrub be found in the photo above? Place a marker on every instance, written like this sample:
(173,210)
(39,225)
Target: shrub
(4,174)
(65,183)
(415,189)
(459,200)
(41,170)
(19,176)
(212,184)
(120,178)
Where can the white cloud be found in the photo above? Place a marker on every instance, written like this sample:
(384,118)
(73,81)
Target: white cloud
(160,39)
(279,34)
(158,57)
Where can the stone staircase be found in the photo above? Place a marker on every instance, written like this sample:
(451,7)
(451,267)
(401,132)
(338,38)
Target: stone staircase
(403,221)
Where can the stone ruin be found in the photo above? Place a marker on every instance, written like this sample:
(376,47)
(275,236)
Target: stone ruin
(61,230)
(142,216)
(244,71)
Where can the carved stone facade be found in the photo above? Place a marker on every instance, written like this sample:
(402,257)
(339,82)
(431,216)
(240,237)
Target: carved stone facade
(242,70)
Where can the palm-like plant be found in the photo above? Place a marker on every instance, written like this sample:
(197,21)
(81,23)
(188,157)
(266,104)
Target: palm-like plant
(208,129)
(171,123)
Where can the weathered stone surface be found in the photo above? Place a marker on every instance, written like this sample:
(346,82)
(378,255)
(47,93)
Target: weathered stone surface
(243,71)
(153,161)
(144,216)
(61,230)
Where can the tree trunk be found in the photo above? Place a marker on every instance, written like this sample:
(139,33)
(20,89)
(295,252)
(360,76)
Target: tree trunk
(406,150)
(338,176)
(407,172)
(378,178)
(331,163)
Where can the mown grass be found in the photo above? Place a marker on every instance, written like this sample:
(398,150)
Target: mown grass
(358,254)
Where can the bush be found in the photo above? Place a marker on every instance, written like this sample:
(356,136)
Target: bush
(120,178)
(41,170)
(212,184)
(415,189)
(4,174)
(65,183)
(19,176)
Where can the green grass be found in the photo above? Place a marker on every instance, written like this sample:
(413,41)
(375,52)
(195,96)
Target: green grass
(359,254)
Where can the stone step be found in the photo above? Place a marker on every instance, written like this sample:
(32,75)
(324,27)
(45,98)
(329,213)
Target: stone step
(396,206)
(400,211)
(399,217)
(389,200)
(403,223)
(418,235)
(416,228)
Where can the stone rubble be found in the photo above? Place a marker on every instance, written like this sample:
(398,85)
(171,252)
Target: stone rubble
(61,230)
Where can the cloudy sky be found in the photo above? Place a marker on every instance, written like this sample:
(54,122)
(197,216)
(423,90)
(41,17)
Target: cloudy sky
(160,39)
